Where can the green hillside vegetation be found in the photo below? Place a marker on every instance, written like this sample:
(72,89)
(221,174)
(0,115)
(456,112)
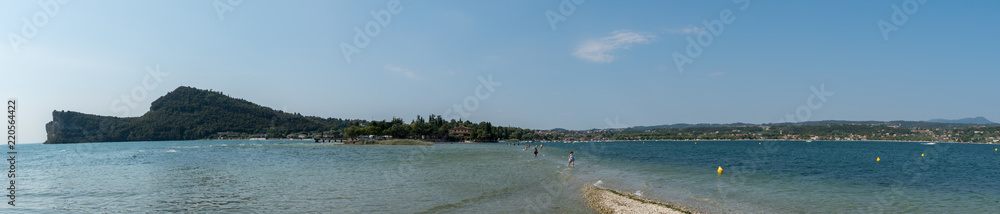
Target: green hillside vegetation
(186,114)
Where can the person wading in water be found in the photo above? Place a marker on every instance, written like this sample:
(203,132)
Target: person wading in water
(572,161)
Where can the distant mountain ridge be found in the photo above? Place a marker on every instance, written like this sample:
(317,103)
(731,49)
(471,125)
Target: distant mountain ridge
(685,125)
(971,120)
(186,113)
(948,124)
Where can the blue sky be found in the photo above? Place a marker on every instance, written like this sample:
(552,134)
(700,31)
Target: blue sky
(605,64)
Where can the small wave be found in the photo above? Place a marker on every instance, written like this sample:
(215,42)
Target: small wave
(638,193)
(708,200)
(197,147)
(931,143)
(171,150)
(598,183)
(240,145)
(187,147)
(62,150)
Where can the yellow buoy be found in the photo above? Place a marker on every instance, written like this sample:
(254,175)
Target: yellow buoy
(921,154)
(720,169)
(877,159)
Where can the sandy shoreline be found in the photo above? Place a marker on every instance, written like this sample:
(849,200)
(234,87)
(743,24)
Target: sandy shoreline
(611,201)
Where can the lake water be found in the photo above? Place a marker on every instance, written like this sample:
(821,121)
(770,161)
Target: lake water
(296,177)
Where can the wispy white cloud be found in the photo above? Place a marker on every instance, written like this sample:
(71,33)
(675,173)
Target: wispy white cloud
(407,72)
(687,30)
(716,74)
(599,50)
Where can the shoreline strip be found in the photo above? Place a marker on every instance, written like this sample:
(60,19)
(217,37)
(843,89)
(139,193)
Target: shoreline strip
(610,201)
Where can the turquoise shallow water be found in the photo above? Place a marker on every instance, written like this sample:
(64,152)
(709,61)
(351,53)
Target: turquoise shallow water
(801,177)
(296,177)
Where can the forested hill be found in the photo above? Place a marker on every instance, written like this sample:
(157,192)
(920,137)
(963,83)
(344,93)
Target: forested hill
(186,114)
